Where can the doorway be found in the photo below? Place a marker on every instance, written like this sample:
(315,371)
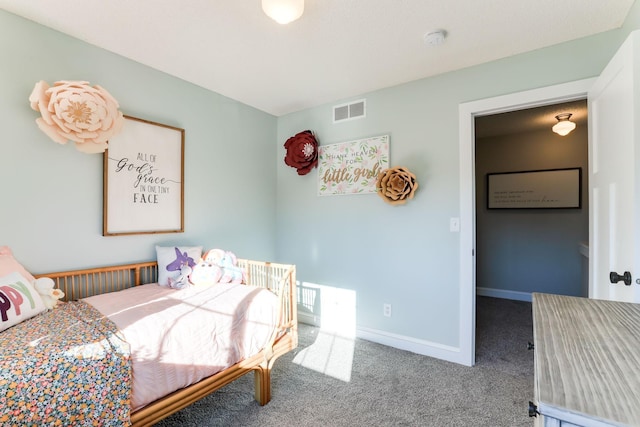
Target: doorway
(521,250)
(467,113)
(525,250)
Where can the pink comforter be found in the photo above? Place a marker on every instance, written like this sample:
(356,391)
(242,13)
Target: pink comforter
(179,337)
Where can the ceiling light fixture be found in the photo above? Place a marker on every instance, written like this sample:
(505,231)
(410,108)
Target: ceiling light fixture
(564,125)
(283,11)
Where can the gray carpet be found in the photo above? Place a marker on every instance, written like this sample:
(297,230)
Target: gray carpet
(334,381)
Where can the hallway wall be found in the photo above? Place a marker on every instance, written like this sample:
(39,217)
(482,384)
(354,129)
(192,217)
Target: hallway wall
(520,251)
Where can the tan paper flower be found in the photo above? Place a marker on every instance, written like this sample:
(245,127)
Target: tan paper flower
(75,111)
(396,185)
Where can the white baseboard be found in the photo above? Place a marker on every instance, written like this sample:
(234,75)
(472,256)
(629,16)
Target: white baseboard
(503,293)
(414,345)
(402,342)
(308,319)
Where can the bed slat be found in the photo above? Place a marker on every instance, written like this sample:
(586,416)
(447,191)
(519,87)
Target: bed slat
(77,284)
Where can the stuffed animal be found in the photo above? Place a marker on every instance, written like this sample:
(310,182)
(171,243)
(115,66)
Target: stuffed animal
(48,293)
(227,262)
(205,273)
(182,280)
(184,264)
(231,273)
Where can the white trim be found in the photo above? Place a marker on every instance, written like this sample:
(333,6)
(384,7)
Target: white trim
(414,345)
(557,416)
(308,319)
(503,293)
(467,113)
(467,327)
(402,342)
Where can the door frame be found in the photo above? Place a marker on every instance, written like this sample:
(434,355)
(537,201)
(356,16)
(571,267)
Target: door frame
(555,94)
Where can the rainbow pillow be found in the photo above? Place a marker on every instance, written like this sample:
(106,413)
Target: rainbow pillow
(18,300)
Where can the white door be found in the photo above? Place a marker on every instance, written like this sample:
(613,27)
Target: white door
(614,156)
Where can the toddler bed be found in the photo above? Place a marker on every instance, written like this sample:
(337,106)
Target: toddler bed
(137,351)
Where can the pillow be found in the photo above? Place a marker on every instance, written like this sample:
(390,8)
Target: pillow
(172,258)
(18,300)
(8,264)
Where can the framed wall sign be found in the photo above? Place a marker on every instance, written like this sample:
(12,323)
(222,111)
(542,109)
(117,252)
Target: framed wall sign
(143,186)
(352,167)
(540,189)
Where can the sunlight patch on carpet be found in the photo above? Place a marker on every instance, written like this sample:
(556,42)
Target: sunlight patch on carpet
(330,354)
(334,311)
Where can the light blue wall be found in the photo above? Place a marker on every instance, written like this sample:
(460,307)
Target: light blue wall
(531,250)
(405,255)
(238,187)
(51,195)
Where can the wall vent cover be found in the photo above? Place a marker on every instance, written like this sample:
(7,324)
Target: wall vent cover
(352,110)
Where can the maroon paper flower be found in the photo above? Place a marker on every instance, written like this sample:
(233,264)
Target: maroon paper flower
(302,152)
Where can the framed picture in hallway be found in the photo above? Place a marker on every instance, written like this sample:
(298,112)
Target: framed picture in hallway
(538,189)
(143,183)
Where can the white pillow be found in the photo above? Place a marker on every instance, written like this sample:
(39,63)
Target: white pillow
(18,300)
(170,259)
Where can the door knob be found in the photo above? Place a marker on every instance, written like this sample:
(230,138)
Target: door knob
(533,409)
(615,277)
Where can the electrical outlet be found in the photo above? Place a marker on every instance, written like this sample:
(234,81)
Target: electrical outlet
(386,310)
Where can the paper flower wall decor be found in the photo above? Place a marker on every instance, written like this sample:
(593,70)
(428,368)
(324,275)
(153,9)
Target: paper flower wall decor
(75,111)
(302,152)
(396,185)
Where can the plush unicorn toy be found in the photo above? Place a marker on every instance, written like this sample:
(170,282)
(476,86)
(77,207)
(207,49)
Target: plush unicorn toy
(183,263)
(182,281)
(227,262)
(231,273)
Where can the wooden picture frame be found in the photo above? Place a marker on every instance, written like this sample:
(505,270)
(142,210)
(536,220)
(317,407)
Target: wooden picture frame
(143,183)
(538,189)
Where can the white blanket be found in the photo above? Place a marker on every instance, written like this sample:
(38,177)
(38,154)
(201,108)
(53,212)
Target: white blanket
(179,337)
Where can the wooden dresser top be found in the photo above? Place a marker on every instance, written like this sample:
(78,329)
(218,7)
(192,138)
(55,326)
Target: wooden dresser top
(587,357)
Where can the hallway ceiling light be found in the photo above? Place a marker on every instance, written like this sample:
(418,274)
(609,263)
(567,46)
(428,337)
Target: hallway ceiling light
(564,125)
(283,11)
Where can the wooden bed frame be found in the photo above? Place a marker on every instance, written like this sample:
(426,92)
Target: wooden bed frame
(279,278)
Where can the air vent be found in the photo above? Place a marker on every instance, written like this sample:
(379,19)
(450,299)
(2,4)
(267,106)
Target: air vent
(353,110)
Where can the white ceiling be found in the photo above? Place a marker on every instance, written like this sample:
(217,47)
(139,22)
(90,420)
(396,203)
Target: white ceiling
(338,49)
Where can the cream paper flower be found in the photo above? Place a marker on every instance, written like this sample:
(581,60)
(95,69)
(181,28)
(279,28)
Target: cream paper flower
(75,111)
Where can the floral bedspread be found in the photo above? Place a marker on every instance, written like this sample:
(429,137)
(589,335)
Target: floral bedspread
(68,367)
